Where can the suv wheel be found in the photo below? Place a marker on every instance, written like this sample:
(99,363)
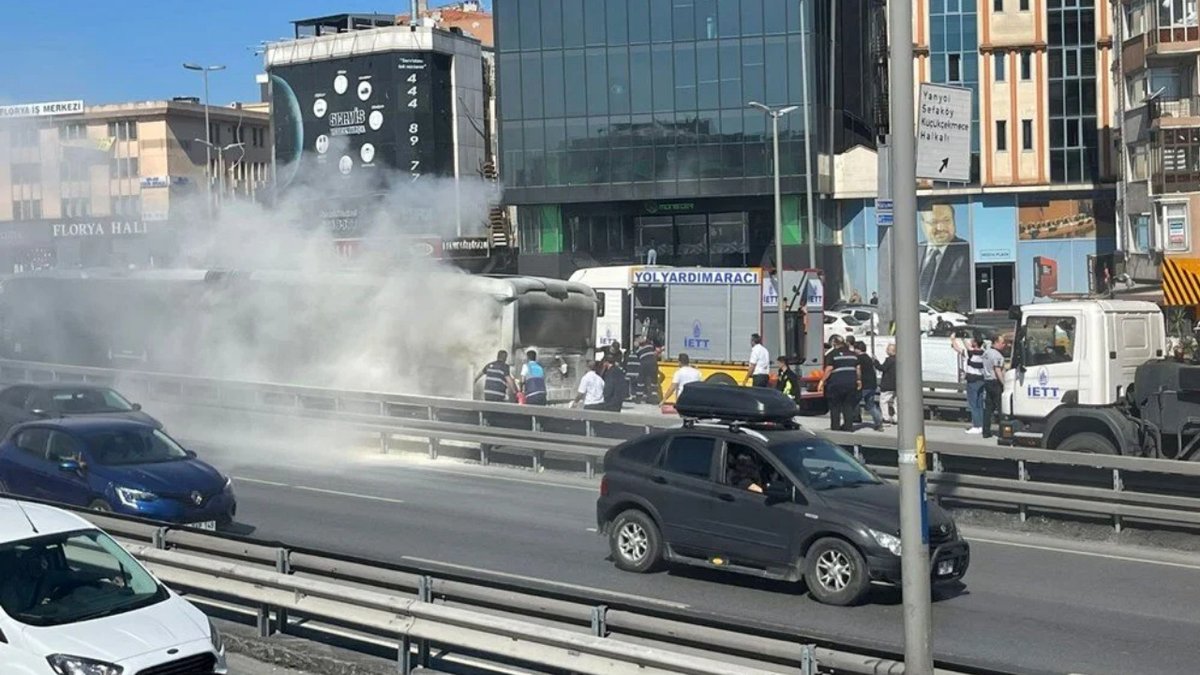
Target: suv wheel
(836,572)
(100,505)
(635,542)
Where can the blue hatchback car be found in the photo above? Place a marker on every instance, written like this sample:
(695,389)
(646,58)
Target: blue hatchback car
(118,465)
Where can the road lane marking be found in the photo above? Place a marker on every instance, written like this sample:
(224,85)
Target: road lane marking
(512,479)
(520,577)
(244,479)
(1090,554)
(306,488)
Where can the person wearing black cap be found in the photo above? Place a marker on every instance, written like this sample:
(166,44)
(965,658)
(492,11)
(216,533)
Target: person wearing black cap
(841,381)
(787,381)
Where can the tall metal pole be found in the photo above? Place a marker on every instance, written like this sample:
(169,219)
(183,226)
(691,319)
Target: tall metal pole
(778,237)
(208,176)
(918,647)
(808,177)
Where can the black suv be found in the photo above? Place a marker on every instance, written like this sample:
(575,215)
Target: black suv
(757,494)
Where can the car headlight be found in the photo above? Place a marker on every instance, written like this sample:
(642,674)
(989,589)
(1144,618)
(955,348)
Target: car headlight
(228,484)
(218,643)
(77,665)
(131,497)
(889,541)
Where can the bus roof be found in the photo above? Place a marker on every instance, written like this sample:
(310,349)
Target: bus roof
(612,276)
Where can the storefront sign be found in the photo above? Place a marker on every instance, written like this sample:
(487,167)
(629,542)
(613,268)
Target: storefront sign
(156,181)
(46,109)
(116,228)
(467,247)
(669,207)
(1176,234)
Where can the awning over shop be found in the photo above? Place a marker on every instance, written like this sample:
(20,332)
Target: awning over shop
(1181,282)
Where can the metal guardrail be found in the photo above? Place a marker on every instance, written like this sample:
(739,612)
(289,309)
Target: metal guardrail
(419,608)
(1025,480)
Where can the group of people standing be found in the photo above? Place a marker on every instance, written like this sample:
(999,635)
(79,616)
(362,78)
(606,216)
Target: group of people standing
(851,379)
(499,386)
(616,376)
(983,370)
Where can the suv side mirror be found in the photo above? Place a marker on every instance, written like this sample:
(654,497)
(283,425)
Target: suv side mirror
(191,454)
(70,466)
(137,406)
(779,491)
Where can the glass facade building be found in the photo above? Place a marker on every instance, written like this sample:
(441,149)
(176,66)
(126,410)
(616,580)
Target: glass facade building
(624,124)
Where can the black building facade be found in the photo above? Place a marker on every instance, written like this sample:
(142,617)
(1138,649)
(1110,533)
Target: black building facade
(625,126)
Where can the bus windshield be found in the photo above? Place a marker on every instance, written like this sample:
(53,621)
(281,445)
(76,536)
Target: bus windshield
(546,323)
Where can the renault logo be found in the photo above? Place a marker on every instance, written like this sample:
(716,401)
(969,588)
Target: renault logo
(197,498)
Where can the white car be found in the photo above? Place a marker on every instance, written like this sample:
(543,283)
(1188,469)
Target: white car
(868,317)
(931,318)
(73,602)
(844,325)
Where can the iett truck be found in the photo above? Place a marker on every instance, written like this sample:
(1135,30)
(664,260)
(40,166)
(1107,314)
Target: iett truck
(1090,376)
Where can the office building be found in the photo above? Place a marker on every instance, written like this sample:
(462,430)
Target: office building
(1037,219)
(1160,146)
(114,184)
(625,127)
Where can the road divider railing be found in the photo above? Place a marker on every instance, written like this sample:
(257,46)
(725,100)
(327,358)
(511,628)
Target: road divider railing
(427,609)
(1120,490)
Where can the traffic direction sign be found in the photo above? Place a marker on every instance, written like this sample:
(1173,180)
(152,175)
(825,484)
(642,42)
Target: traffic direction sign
(944,133)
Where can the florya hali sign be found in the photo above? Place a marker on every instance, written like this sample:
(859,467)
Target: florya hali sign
(466,247)
(944,133)
(115,228)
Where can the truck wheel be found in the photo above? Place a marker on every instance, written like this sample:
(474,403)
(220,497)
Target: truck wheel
(836,572)
(721,378)
(1089,442)
(635,542)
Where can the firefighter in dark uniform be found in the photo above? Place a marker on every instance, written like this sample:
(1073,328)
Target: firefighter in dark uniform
(841,381)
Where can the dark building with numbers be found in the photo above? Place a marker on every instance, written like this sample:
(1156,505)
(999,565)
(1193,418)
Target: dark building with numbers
(624,126)
(360,105)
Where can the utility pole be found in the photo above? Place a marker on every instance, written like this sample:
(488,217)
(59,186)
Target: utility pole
(775,114)
(918,643)
(204,71)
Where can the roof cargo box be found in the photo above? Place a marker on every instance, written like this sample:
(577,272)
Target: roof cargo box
(735,404)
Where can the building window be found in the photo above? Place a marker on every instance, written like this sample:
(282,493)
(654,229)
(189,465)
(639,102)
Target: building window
(73,170)
(1027,134)
(1073,143)
(1175,222)
(26,173)
(1024,5)
(72,131)
(127,206)
(954,68)
(124,130)
(1001,135)
(1026,65)
(27,209)
(1001,61)
(124,167)
(25,137)
(76,207)
(997,5)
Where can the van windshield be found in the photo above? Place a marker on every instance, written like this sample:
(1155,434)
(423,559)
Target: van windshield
(70,577)
(822,465)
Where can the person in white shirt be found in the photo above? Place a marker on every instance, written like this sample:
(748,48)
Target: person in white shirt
(683,377)
(591,388)
(759,370)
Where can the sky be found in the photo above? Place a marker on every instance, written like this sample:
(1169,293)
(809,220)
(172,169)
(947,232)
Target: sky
(112,51)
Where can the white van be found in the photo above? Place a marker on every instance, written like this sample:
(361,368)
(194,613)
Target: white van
(73,601)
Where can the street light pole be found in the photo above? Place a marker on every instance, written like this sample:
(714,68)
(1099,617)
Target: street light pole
(775,114)
(914,561)
(204,71)
(209,147)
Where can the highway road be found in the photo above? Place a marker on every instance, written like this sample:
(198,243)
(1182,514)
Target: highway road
(1031,604)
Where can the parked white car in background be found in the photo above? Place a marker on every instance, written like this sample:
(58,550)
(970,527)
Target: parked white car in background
(931,318)
(73,602)
(837,323)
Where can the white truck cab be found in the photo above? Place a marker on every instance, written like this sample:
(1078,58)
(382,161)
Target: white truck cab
(1070,360)
(73,601)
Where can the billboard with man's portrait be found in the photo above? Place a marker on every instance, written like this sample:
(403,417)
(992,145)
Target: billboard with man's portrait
(944,275)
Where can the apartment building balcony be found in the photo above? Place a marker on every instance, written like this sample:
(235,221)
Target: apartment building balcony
(1181,112)
(1177,180)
